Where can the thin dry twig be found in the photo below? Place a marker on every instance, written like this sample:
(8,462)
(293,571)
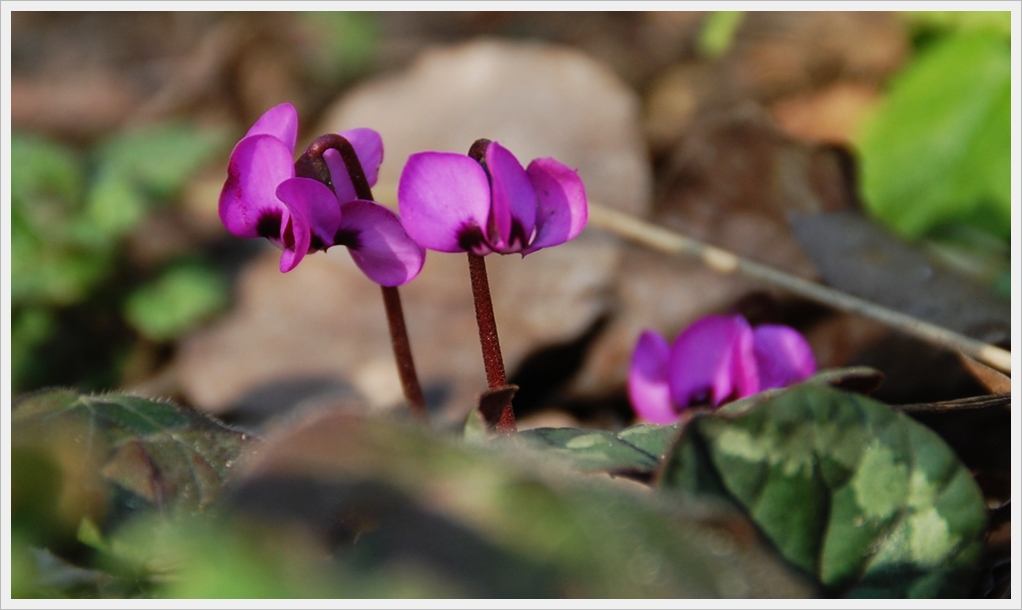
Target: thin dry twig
(959,404)
(724,261)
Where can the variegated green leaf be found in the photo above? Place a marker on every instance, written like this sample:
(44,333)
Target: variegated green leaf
(636,450)
(865,498)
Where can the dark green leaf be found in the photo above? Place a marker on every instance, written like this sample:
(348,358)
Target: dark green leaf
(865,498)
(635,451)
(589,450)
(168,456)
(651,438)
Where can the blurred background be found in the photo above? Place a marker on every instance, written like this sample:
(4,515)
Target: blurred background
(867,150)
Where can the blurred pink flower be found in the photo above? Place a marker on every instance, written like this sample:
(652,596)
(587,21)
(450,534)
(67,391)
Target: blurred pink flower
(716,360)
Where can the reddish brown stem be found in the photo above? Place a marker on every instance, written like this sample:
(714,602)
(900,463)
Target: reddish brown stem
(403,352)
(492,360)
(312,165)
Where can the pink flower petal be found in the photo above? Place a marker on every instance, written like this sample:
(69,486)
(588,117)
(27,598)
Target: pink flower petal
(562,206)
(257,165)
(444,200)
(647,380)
(368,147)
(294,238)
(513,201)
(783,356)
(315,202)
(379,244)
(281,122)
(712,362)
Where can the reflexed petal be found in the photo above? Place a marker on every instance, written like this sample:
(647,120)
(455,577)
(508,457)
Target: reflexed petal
(294,238)
(281,122)
(444,200)
(258,164)
(514,200)
(783,356)
(379,244)
(368,148)
(712,362)
(562,206)
(343,188)
(315,202)
(744,373)
(647,380)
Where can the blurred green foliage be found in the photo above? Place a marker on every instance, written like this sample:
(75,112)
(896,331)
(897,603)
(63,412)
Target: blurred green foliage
(925,24)
(343,44)
(55,254)
(83,465)
(384,509)
(178,299)
(137,170)
(71,212)
(718,32)
(938,152)
(144,498)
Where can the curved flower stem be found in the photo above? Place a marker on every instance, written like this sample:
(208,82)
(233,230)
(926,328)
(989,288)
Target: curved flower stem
(403,352)
(312,165)
(496,378)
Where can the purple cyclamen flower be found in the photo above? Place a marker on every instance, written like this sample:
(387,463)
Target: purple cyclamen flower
(262,197)
(452,203)
(715,360)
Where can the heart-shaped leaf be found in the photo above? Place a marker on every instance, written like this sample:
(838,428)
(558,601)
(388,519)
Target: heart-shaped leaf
(865,498)
(162,454)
